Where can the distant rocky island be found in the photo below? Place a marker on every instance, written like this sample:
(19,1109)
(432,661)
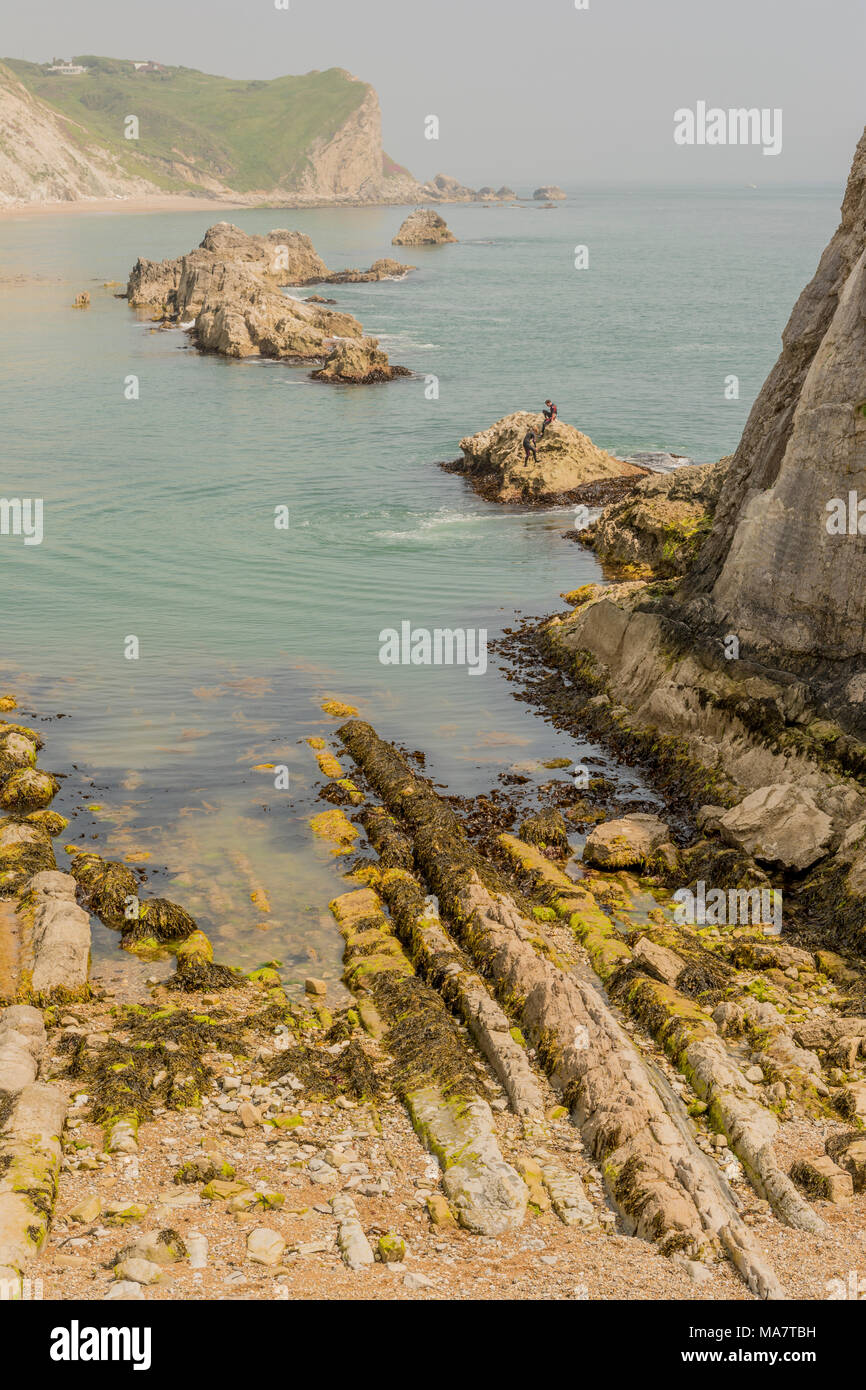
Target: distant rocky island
(423,227)
(289,142)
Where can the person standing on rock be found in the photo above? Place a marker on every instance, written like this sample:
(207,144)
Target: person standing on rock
(529,441)
(549,416)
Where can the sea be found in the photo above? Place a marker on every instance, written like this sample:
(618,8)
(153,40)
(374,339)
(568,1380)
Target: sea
(162,473)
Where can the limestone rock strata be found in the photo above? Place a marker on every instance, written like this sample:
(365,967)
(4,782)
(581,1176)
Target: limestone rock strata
(443,1099)
(658,1179)
(60,936)
(748,728)
(33,1116)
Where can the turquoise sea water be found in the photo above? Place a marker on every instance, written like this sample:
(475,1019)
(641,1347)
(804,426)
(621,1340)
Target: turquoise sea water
(159,513)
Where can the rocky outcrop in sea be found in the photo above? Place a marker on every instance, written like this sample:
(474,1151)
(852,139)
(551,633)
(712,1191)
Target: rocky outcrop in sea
(227,293)
(568,462)
(423,227)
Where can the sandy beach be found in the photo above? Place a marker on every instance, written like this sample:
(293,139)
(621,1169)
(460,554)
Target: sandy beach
(156,202)
(180,202)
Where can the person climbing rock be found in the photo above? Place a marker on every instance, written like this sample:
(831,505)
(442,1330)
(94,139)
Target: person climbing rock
(529,441)
(549,416)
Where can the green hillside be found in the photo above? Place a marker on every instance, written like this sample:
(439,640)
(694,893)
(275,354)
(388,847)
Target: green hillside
(248,135)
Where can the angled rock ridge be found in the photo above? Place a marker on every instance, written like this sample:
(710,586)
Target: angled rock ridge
(775,568)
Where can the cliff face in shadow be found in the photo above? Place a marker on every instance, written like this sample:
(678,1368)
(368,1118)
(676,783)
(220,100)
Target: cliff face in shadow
(752,665)
(775,569)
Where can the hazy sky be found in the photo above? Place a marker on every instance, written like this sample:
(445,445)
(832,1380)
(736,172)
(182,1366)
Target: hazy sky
(526,91)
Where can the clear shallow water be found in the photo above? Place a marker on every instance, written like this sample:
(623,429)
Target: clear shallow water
(159,512)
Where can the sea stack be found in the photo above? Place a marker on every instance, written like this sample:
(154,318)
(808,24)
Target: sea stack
(227,293)
(423,227)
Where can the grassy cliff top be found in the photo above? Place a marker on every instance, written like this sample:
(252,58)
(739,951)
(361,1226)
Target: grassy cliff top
(247,134)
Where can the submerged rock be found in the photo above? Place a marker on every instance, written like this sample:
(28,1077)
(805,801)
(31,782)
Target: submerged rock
(546,829)
(423,227)
(383,269)
(494,463)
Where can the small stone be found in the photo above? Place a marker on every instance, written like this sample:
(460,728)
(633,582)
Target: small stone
(264,1246)
(557,1112)
(852,1101)
(71,1261)
(416,1281)
(391,1248)
(658,961)
(158,1247)
(119,1212)
(754,1074)
(241,1202)
(196,1245)
(222,1189)
(86,1211)
(313,986)
(439,1211)
(853,1159)
(125,1290)
(139,1271)
(823,1178)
